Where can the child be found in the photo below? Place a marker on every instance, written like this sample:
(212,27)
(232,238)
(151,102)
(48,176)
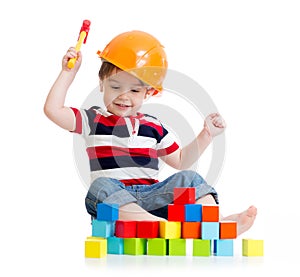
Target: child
(124,145)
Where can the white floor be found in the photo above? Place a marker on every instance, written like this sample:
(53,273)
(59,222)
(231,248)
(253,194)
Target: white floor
(176,266)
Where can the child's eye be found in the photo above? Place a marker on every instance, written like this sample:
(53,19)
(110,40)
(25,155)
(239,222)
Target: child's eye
(135,90)
(115,87)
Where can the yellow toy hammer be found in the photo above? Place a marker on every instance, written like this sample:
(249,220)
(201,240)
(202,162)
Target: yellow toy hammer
(84,31)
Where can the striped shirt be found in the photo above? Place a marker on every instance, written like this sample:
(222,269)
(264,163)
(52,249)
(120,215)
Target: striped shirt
(124,148)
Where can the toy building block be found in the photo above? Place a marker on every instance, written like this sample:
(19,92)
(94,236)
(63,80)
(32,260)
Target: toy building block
(157,247)
(95,247)
(176,247)
(191,230)
(147,229)
(184,196)
(102,229)
(210,213)
(252,247)
(176,212)
(115,245)
(193,212)
(228,229)
(201,247)
(170,229)
(135,246)
(125,229)
(223,247)
(107,212)
(210,230)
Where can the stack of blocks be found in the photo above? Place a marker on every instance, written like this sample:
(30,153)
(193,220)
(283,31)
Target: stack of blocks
(186,220)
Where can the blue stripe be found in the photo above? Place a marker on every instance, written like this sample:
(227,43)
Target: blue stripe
(121,131)
(148,131)
(123,161)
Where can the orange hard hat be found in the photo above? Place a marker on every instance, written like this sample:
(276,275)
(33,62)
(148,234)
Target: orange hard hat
(140,54)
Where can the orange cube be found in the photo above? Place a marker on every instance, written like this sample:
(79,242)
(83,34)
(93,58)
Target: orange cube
(210,213)
(228,229)
(191,230)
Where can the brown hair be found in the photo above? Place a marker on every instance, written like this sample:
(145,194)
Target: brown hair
(106,69)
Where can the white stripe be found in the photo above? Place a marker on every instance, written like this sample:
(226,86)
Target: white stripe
(110,140)
(85,123)
(166,142)
(126,173)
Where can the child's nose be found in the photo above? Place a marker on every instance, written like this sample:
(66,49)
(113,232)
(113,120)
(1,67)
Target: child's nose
(124,94)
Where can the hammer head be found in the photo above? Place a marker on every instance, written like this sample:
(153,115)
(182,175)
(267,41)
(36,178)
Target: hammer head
(85,27)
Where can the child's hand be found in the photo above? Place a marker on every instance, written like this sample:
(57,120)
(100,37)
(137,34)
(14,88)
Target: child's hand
(214,124)
(71,53)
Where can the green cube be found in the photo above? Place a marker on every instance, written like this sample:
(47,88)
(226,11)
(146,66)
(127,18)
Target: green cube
(201,247)
(135,246)
(157,247)
(176,247)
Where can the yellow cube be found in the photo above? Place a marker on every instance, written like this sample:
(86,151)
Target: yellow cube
(95,247)
(94,238)
(252,247)
(170,229)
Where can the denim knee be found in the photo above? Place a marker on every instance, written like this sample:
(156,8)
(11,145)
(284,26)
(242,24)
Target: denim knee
(194,179)
(106,190)
(192,176)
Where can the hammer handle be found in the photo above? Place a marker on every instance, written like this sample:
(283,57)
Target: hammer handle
(71,62)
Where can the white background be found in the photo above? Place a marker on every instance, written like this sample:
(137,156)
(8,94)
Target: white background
(245,54)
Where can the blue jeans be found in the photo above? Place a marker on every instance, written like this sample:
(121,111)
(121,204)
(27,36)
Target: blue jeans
(153,198)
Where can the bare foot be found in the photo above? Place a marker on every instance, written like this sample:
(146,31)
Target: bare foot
(244,219)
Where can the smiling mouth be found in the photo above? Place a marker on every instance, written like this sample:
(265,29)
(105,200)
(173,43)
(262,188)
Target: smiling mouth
(122,105)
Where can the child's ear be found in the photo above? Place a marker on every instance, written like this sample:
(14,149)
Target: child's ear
(150,92)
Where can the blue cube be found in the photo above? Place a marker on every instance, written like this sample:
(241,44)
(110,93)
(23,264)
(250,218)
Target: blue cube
(223,247)
(115,245)
(107,212)
(193,212)
(210,230)
(103,229)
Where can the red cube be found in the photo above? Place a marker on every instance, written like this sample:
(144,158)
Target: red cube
(125,229)
(147,229)
(184,196)
(176,212)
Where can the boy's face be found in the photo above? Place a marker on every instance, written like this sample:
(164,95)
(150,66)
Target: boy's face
(123,93)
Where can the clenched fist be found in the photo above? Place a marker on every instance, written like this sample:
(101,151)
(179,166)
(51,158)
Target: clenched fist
(214,124)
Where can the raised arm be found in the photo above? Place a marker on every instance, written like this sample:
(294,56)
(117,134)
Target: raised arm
(54,107)
(185,157)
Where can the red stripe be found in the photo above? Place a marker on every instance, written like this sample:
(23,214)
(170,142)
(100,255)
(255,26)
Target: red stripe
(168,150)
(147,182)
(114,120)
(110,151)
(78,128)
(110,121)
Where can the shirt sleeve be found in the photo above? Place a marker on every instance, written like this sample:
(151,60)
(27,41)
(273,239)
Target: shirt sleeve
(78,121)
(82,120)
(168,144)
